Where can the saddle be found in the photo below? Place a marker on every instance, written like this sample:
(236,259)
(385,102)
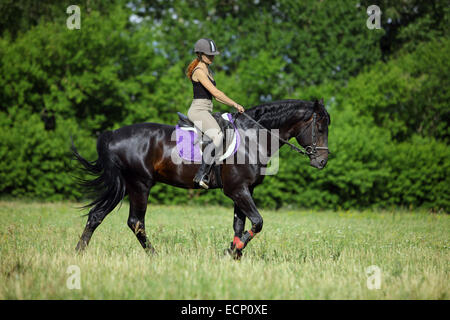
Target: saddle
(223,123)
(191,141)
(184,120)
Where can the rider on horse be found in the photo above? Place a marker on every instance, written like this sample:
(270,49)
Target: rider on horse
(200,111)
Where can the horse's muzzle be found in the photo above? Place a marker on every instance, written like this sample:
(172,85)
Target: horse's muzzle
(318,162)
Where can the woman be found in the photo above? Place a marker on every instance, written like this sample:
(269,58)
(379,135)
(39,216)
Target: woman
(200,111)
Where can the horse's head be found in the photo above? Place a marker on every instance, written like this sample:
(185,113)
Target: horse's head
(313,134)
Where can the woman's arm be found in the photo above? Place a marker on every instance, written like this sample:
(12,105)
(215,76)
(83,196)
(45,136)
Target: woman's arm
(218,99)
(219,95)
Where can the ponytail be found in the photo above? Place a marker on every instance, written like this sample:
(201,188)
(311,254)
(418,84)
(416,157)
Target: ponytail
(191,67)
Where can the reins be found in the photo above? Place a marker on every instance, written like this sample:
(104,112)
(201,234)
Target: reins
(309,150)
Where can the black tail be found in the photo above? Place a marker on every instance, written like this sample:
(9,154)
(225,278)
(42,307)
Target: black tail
(108,187)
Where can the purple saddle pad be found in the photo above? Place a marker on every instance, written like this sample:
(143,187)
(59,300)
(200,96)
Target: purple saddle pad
(186,138)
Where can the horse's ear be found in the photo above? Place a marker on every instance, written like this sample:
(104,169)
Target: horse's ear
(316,105)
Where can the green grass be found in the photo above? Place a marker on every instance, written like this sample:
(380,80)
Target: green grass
(298,255)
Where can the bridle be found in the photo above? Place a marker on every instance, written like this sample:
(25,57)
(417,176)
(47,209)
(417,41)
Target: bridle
(310,151)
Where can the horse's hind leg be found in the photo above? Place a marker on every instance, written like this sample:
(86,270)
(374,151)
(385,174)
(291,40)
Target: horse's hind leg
(96,217)
(138,195)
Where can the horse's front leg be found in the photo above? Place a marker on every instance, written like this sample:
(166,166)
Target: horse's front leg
(243,201)
(238,226)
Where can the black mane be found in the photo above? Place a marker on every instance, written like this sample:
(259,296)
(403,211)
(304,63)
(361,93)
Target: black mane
(277,113)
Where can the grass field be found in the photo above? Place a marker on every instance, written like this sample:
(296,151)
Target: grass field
(298,255)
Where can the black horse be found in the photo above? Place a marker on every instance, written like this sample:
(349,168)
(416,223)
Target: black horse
(133,158)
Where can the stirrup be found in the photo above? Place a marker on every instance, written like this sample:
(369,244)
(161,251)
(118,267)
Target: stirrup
(205,180)
(203,185)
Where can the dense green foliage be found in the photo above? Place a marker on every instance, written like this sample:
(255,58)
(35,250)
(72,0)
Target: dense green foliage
(386,90)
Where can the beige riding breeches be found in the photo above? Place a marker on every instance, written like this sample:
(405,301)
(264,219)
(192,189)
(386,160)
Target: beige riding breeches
(200,113)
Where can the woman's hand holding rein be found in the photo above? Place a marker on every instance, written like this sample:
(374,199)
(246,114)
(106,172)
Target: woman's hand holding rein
(239,107)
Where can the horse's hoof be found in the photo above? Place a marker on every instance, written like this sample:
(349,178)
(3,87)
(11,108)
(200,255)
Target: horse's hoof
(151,252)
(80,249)
(235,254)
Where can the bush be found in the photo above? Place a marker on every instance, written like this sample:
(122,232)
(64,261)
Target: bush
(35,162)
(390,120)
